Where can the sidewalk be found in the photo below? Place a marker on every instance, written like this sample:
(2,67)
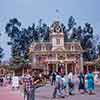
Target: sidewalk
(97,83)
(6,93)
(45,93)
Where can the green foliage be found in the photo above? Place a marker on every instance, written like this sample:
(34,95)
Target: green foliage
(22,38)
(85,36)
(1,53)
(71,23)
(13,30)
(98,46)
(65,32)
(42,29)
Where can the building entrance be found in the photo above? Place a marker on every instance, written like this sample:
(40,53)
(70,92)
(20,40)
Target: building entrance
(52,68)
(70,68)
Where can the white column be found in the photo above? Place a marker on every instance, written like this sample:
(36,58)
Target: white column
(47,68)
(66,68)
(57,67)
(75,68)
(81,60)
(44,68)
(56,64)
(34,59)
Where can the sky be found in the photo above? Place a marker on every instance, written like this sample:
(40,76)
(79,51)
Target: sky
(29,11)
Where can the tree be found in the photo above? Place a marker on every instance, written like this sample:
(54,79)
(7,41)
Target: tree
(71,23)
(22,38)
(98,46)
(12,28)
(65,32)
(32,33)
(42,31)
(1,53)
(87,42)
(85,36)
(45,31)
(74,34)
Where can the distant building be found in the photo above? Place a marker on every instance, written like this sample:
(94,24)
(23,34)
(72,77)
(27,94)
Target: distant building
(49,56)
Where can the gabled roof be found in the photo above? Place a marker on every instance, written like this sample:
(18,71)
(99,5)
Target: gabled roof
(59,49)
(74,45)
(45,45)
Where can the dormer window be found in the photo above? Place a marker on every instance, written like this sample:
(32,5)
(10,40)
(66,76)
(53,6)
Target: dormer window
(72,48)
(43,48)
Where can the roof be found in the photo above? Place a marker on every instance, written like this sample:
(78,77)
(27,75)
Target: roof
(42,46)
(72,45)
(47,46)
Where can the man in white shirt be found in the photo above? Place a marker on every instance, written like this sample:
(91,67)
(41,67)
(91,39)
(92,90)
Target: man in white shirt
(70,83)
(70,76)
(58,85)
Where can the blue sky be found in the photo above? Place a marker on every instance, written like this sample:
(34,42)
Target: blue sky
(29,11)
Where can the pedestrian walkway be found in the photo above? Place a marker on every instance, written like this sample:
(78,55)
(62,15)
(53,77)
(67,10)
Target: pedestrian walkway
(45,93)
(6,93)
(97,83)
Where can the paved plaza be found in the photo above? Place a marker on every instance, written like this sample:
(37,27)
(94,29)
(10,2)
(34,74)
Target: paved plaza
(45,93)
(6,93)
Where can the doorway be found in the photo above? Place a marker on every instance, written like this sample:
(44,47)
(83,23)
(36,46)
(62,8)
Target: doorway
(51,68)
(70,68)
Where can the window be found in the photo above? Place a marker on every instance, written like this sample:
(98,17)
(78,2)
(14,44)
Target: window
(58,41)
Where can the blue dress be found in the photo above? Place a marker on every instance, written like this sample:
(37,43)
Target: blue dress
(90,78)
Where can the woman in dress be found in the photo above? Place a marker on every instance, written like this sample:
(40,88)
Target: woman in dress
(90,78)
(81,82)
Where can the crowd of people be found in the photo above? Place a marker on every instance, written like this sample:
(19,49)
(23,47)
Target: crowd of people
(65,85)
(5,80)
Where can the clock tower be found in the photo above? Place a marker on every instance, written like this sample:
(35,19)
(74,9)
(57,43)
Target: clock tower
(57,35)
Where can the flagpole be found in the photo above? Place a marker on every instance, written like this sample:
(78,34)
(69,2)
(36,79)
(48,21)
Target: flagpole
(57,14)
